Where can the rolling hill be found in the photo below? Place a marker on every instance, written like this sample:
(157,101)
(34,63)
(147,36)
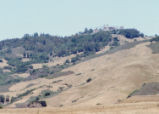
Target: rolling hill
(120,76)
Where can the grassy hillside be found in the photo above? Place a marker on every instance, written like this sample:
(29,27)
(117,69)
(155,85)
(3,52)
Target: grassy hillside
(33,68)
(100,81)
(19,55)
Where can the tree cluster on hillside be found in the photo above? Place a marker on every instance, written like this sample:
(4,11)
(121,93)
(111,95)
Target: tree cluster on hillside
(40,48)
(129,33)
(156,38)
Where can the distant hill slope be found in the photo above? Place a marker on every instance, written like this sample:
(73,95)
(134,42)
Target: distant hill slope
(103,80)
(24,55)
(86,69)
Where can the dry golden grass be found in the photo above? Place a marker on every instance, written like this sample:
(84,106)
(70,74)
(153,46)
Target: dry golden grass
(56,61)
(106,48)
(6,70)
(22,75)
(135,108)
(25,59)
(114,77)
(3,64)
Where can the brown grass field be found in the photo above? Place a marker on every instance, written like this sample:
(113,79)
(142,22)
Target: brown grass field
(133,108)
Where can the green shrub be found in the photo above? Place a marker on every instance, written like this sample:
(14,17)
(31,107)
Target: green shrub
(34,99)
(67,61)
(13,99)
(1,106)
(130,33)
(75,59)
(132,93)
(46,93)
(88,80)
(2,99)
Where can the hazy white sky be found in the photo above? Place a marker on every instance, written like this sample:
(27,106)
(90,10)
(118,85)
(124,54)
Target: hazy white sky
(66,17)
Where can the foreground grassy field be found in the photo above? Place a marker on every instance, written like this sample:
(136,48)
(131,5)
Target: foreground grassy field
(131,108)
